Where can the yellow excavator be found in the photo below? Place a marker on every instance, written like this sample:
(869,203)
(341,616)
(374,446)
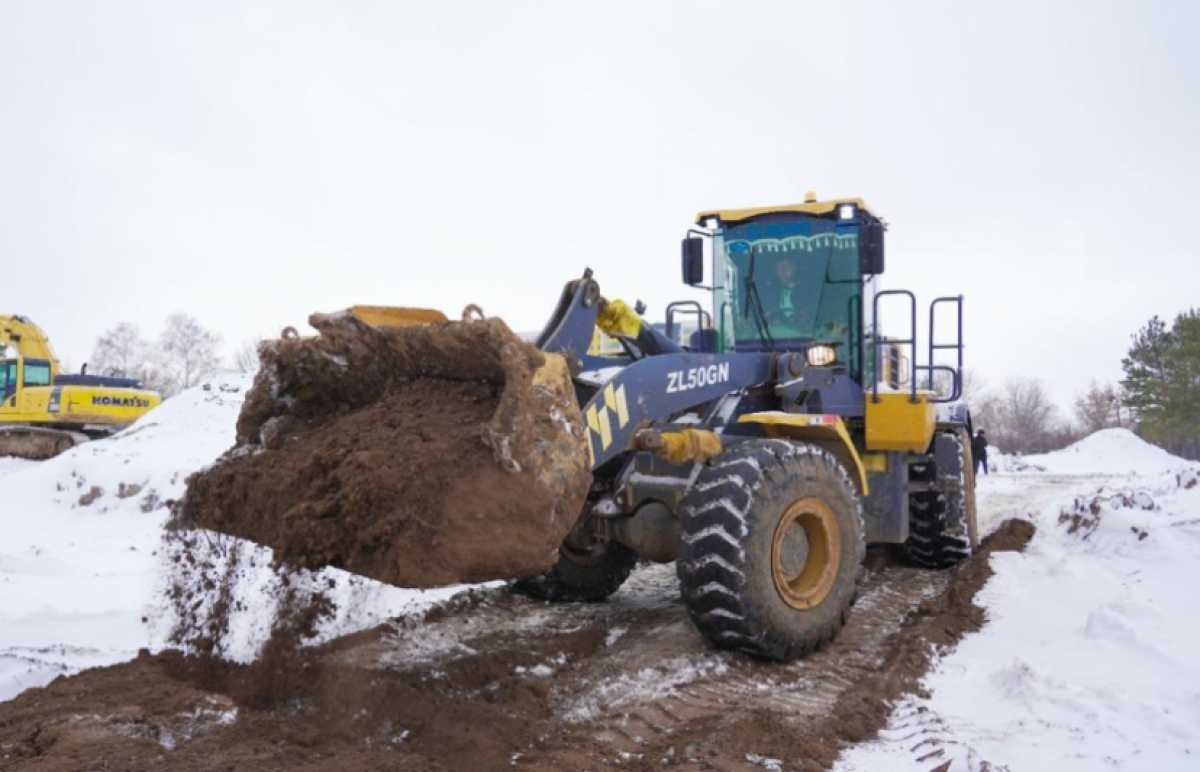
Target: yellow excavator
(42,411)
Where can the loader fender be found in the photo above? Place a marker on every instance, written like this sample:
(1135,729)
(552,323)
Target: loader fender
(825,431)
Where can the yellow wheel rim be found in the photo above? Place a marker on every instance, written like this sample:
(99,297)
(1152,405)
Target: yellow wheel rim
(805,553)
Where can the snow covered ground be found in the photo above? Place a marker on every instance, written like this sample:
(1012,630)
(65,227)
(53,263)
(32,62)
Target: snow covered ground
(82,560)
(1089,658)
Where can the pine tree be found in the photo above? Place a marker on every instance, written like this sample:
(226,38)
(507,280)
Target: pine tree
(1162,382)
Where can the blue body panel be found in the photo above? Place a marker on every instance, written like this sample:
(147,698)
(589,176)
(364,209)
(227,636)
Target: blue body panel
(654,389)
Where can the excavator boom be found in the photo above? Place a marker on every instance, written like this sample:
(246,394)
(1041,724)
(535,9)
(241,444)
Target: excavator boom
(28,339)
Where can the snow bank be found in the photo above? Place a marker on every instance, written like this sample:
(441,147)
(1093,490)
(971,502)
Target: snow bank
(78,562)
(82,561)
(1088,659)
(8,465)
(1107,452)
(1003,463)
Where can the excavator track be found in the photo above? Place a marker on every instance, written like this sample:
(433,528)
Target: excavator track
(37,443)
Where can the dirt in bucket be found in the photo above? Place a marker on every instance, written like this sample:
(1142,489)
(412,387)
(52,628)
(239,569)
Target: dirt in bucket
(359,449)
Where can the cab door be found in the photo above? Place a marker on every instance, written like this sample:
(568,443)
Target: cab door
(33,393)
(8,382)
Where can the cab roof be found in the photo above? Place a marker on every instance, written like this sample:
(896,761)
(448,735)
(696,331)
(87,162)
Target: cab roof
(810,206)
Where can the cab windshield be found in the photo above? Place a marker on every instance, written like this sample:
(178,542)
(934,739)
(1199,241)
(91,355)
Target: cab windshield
(793,280)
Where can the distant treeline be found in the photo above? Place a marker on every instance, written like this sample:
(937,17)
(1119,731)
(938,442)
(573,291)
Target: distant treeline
(1158,398)
(1162,383)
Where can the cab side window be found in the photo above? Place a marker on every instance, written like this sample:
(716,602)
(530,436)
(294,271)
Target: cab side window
(37,372)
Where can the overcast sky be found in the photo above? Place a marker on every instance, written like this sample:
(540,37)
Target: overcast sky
(251,162)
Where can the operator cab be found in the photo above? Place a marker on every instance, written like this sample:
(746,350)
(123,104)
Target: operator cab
(17,373)
(792,278)
(801,280)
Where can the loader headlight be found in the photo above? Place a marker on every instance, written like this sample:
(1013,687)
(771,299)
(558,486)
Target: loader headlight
(820,356)
(846,212)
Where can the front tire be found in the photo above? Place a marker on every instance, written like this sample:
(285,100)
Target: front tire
(772,548)
(588,576)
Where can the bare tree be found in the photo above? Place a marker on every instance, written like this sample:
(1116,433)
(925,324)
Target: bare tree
(974,386)
(120,351)
(1098,407)
(1024,420)
(188,353)
(245,359)
(942,383)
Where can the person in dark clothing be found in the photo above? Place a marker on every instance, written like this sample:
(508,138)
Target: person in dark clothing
(785,274)
(979,451)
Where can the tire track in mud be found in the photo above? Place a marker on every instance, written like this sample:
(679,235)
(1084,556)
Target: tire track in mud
(631,683)
(802,691)
(922,736)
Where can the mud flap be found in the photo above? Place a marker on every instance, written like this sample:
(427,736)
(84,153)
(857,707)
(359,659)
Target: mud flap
(885,509)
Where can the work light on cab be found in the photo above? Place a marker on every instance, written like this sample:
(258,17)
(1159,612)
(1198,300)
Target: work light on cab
(821,355)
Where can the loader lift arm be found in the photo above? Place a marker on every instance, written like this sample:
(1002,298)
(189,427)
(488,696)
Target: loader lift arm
(644,391)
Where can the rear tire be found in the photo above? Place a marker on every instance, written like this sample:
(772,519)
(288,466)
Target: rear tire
(582,576)
(942,523)
(772,548)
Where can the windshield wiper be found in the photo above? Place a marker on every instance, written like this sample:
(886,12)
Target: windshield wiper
(754,304)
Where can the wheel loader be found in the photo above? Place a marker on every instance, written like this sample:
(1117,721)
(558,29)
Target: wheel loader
(761,452)
(44,412)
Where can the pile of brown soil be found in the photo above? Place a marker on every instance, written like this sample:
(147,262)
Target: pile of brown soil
(302,710)
(418,456)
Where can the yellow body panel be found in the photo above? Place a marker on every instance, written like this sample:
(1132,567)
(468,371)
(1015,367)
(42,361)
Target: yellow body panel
(826,431)
(91,406)
(895,422)
(808,207)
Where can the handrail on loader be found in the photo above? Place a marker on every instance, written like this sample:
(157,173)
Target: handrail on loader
(957,345)
(911,341)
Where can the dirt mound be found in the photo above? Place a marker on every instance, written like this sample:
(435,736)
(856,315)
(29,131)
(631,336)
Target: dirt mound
(418,456)
(304,710)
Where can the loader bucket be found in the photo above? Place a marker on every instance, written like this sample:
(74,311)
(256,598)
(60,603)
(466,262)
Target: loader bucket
(398,445)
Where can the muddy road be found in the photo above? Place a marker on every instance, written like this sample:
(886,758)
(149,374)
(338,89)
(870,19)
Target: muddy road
(492,680)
